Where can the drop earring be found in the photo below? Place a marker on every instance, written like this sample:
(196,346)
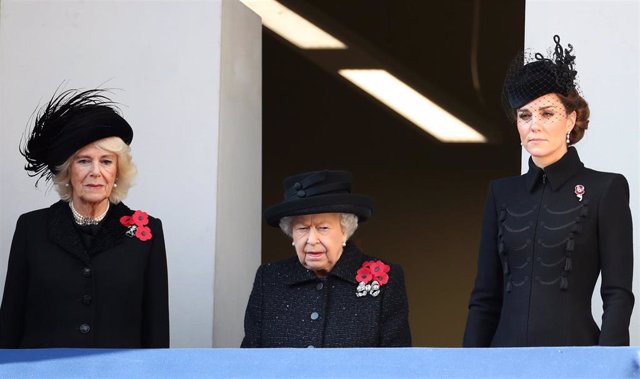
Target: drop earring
(568,139)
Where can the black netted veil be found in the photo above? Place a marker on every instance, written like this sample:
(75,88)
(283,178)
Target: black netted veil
(531,77)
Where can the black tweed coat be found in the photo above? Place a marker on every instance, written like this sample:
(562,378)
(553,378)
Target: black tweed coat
(58,294)
(291,307)
(546,236)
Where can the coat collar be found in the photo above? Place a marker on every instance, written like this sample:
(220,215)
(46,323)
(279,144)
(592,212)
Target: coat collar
(345,268)
(62,231)
(556,174)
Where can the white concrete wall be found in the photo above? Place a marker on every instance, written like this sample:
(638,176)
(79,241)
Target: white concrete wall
(605,35)
(165,59)
(239,171)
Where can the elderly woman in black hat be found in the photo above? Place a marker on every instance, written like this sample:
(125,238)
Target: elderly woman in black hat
(549,233)
(87,271)
(330,294)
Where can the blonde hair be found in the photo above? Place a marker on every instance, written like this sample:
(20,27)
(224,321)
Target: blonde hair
(124,177)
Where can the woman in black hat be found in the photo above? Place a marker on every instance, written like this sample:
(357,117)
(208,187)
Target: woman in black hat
(87,271)
(549,233)
(330,294)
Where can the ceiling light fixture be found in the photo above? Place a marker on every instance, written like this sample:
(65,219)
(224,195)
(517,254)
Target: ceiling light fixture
(292,27)
(411,105)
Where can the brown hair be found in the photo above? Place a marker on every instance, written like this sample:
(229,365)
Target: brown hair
(574,102)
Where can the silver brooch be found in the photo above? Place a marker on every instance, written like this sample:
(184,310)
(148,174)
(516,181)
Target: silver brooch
(131,231)
(372,289)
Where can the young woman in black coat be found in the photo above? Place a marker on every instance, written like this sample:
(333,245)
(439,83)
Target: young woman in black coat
(87,271)
(330,294)
(549,233)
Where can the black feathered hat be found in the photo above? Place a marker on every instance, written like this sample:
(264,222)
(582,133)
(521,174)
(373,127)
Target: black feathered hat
(325,191)
(526,81)
(69,121)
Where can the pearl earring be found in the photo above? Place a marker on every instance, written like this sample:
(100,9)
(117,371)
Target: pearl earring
(66,184)
(115,185)
(293,243)
(568,139)
(344,243)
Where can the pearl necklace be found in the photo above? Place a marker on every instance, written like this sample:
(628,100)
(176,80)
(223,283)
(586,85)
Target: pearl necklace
(82,220)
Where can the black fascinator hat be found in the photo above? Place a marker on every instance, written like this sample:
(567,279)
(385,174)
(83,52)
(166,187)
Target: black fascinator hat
(526,81)
(69,121)
(325,191)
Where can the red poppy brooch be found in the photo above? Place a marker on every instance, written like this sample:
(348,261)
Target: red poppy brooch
(136,224)
(370,277)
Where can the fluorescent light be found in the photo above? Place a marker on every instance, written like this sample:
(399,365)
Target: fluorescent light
(412,105)
(292,27)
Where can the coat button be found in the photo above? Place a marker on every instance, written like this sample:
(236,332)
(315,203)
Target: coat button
(314,315)
(319,286)
(86,299)
(84,328)
(86,272)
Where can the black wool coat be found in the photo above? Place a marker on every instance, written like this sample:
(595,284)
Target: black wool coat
(546,236)
(58,294)
(291,307)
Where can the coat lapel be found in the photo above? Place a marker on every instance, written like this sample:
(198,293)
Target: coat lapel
(62,231)
(64,234)
(348,264)
(345,269)
(112,232)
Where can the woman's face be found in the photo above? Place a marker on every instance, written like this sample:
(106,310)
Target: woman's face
(318,240)
(543,125)
(93,172)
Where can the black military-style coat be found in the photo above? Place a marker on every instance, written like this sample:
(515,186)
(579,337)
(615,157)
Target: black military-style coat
(291,307)
(58,294)
(546,236)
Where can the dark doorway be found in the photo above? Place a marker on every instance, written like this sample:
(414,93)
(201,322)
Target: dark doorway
(429,195)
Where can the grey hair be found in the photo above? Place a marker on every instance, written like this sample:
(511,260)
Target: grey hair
(348,222)
(126,170)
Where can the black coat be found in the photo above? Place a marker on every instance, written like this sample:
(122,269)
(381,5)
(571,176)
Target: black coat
(59,294)
(541,252)
(291,307)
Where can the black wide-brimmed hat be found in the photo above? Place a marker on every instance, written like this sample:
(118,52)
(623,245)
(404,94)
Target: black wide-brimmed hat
(527,81)
(327,191)
(69,121)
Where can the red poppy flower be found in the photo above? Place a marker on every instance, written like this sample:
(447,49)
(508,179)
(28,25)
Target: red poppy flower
(126,220)
(381,278)
(373,270)
(363,275)
(379,267)
(143,233)
(140,218)
(379,271)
